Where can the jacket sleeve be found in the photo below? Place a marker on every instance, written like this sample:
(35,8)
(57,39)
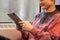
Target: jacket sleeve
(40,35)
(27,36)
(56,29)
(24,35)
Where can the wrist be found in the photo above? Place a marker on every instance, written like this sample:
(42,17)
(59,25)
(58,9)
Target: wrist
(34,30)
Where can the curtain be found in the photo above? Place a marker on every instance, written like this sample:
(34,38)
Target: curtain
(25,9)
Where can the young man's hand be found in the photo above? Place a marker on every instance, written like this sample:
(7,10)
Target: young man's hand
(27,26)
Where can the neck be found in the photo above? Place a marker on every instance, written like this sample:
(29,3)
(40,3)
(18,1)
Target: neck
(51,9)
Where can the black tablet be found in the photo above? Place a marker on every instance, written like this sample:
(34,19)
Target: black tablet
(14,17)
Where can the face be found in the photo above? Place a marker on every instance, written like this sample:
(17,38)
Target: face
(46,3)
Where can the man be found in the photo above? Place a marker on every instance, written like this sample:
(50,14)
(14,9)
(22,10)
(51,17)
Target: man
(46,25)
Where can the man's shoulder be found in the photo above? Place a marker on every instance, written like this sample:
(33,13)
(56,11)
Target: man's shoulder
(57,17)
(58,13)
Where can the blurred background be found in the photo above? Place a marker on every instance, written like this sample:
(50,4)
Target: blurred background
(25,9)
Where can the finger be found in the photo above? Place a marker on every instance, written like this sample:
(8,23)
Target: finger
(21,21)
